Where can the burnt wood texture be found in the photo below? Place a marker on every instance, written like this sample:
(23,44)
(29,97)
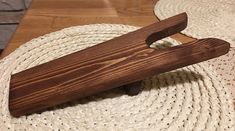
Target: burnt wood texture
(120,61)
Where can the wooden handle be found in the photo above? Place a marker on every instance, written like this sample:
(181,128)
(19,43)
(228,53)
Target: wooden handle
(117,62)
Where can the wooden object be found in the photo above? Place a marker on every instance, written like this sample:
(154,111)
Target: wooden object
(117,62)
(45,16)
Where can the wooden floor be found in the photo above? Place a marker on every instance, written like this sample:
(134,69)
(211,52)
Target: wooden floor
(46,16)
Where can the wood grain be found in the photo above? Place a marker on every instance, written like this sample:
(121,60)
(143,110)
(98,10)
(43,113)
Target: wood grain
(117,62)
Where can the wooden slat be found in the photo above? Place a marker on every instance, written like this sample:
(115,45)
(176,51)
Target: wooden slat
(11,17)
(11,5)
(5,34)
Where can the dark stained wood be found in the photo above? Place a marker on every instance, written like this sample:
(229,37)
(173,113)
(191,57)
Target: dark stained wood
(122,60)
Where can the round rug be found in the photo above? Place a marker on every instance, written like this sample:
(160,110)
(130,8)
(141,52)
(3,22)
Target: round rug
(190,98)
(206,18)
(225,68)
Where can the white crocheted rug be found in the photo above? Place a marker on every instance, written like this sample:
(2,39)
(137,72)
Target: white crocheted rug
(206,18)
(190,98)
(225,68)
